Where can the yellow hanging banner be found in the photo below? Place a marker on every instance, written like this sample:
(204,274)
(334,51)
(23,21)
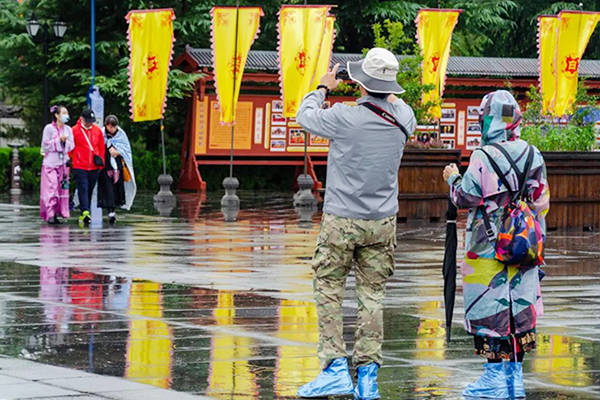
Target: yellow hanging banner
(434,35)
(302,31)
(151,48)
(325,54)
(229,64)
(547,37)
(574,31)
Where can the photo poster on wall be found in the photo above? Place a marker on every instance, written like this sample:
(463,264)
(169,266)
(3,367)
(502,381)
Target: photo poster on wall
(473,129)
(473,142)
(296,137)
(425,134)
(448,114)
(473,112)
(447,131)
(448,143)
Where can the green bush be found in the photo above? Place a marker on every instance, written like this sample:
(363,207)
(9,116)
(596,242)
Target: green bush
(5,168)
(570,137)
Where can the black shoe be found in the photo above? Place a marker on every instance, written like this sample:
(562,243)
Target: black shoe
(112,218)
(55,221)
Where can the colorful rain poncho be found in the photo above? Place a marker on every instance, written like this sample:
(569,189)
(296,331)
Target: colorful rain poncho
(494,294)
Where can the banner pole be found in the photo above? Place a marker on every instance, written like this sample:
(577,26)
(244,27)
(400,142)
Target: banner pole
(162,138)
(235,67)
(230,202)
(306,142)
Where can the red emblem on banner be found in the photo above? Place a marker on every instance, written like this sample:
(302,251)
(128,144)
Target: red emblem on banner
(301,60)
(150,65)
(235,64)
(435,63)
(572,64)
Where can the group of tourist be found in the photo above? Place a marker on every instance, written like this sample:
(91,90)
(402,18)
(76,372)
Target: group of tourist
(505,190)
(100,161)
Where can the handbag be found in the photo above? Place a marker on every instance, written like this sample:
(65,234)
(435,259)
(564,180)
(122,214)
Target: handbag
(126,173)
(97,159)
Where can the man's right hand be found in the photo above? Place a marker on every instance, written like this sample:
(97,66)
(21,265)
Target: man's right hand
(329,79)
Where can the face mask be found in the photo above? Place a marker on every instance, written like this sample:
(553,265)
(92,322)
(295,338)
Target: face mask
(64,118)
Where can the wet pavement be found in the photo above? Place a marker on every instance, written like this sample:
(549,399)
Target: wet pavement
(194,304)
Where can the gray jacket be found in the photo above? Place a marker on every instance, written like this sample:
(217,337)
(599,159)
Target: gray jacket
(364,154)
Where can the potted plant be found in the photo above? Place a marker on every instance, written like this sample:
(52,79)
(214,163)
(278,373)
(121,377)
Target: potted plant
(572,162)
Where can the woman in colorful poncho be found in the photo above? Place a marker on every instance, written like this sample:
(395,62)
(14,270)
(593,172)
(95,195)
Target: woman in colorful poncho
(502,302)
(116,183)
(57,142)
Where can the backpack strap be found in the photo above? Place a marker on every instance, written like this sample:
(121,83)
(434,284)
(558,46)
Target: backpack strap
(518,194)
(385,115)
(498,171)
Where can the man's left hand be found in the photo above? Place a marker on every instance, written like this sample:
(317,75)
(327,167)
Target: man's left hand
(329,79)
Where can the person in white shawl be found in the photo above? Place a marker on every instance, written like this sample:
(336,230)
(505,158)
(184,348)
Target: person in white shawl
(116,184)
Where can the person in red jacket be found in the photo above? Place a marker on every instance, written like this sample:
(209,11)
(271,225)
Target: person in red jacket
(88,160)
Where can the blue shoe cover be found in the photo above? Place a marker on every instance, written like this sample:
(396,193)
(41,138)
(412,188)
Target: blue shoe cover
(366,387)
(491,385)
(333,380)
(514,380)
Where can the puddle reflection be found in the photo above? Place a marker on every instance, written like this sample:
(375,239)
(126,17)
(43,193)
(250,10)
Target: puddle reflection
(230,376)
(149,346)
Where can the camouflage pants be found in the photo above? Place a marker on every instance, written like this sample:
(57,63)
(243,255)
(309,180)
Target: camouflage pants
(369,245)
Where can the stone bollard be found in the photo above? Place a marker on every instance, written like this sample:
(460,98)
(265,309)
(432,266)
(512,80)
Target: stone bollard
(305,202)
(165,199)
(230,203)
(15,171)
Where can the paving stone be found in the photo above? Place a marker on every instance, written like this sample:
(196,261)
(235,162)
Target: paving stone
(225,310)
(32,390)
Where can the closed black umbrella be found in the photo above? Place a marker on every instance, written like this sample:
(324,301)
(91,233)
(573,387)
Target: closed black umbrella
(449,267)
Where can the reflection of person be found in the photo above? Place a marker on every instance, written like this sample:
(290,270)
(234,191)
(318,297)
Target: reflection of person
(88,160)
(359,221)
(116,183)
(57,142)
(501,302)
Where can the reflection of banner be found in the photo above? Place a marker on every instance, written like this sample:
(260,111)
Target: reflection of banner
(434,35)
(301,38)
(574,31)
(228,62)
(151,47)
(229,374)
(562,360)
(296,365)
(150,341)
(547,36)
(325,53)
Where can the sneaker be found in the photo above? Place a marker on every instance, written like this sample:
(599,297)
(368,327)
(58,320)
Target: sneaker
(366,385)
(112,218)
(335,380)
(491,385)
(85,218)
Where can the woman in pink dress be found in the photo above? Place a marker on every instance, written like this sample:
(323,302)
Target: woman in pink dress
(57,142)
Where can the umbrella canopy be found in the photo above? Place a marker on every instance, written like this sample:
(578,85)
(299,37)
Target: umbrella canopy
(449,267)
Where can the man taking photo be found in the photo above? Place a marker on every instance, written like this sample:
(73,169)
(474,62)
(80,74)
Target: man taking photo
(359,216)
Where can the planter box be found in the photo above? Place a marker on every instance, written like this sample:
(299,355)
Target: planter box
(422,193)
(574,179)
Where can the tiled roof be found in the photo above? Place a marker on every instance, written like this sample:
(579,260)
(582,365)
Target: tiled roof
(261,60)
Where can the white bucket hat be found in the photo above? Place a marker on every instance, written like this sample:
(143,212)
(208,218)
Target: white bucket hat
(376,72)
